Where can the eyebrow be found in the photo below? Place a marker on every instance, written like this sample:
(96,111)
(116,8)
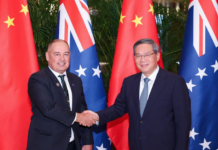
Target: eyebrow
(144,53)
(59,52)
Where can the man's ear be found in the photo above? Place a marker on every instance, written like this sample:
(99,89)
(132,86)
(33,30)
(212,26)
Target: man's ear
(158,56)
(47,56)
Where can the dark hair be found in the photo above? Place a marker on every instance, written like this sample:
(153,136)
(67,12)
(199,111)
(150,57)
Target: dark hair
(146,41)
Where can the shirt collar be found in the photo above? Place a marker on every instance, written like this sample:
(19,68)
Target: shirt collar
(153,76)
(56,73)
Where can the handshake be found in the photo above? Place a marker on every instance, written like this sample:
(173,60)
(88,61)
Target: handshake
(87,118)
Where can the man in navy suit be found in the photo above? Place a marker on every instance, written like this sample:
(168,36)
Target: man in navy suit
(58,101)
(157,102)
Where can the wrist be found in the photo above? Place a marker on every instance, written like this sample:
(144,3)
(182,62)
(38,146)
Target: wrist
(78,117)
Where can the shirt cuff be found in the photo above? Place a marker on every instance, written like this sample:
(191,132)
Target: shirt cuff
(97,123)
(74,119)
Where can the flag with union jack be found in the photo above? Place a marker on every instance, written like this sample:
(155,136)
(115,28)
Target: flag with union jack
(199,67)
(74,26)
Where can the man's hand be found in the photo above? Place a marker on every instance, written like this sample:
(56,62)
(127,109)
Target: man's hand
(91,113)
(87,118)
(87,147)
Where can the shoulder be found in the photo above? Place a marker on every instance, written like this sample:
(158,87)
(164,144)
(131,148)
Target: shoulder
(40,77)
(132,78)
(172,76)
(39,74)
(73,77)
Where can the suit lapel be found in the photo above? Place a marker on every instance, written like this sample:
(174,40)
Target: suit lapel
(57,85)
(156,89)
(72,86)
(136,85)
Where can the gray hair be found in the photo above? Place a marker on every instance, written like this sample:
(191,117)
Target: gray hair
(147,41)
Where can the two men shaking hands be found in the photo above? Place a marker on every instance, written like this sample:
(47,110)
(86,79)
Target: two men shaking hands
(87,118)
(157,102)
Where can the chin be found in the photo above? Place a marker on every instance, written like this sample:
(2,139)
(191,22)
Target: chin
(144,70)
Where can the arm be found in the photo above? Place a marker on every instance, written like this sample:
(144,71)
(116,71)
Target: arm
(182,113)
(118,109)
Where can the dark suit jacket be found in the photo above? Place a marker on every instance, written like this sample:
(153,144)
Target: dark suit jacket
(50,127)
(166,120)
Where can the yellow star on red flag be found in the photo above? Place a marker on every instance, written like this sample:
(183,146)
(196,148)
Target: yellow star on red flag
(121,18)
(151,9)
(9,21)
(24,9)
(137,20)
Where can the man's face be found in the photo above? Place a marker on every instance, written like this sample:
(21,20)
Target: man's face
(58,57)
(147,64)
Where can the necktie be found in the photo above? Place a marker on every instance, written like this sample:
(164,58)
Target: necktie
(65,89)
(144,96)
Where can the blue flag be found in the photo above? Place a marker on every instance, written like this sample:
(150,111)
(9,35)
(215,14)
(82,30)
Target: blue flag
(199,67)
(74,26)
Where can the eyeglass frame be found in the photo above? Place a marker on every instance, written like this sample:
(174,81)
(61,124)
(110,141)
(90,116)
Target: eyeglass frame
(145,55)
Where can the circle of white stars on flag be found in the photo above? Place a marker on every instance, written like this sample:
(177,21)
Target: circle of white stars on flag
(201,74)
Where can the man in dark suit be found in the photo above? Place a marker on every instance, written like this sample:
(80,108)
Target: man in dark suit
(58,101)
(157,102)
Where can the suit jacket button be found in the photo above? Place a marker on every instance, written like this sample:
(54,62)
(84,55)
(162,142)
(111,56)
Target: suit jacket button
(141,121)
(140,138)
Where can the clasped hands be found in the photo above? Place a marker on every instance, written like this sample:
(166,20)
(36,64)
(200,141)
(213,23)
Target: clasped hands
(87,118)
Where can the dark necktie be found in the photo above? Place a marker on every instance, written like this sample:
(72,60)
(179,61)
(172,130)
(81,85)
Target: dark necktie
(144,97)
(65,89)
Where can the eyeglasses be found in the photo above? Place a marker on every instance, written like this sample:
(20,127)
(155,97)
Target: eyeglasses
(147,55)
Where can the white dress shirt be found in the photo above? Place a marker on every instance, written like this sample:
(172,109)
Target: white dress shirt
(152,78)
(69,93)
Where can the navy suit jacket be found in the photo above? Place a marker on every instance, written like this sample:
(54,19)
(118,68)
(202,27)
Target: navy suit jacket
(166,120)
(51,122)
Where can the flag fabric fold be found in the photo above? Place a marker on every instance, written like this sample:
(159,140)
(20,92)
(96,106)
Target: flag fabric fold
(199,67)
(137,21)
(74,26)
(18,61)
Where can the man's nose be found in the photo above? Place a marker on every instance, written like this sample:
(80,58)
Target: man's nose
(143,58)
(62,57)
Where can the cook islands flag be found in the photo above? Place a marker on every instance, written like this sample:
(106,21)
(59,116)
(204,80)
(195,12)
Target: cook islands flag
(74,26)
(199,67)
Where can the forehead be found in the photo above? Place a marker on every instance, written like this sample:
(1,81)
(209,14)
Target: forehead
(144,48)
(59,47)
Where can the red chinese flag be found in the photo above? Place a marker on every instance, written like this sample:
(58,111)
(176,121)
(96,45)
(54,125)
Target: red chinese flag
(137,21)
(18,61)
